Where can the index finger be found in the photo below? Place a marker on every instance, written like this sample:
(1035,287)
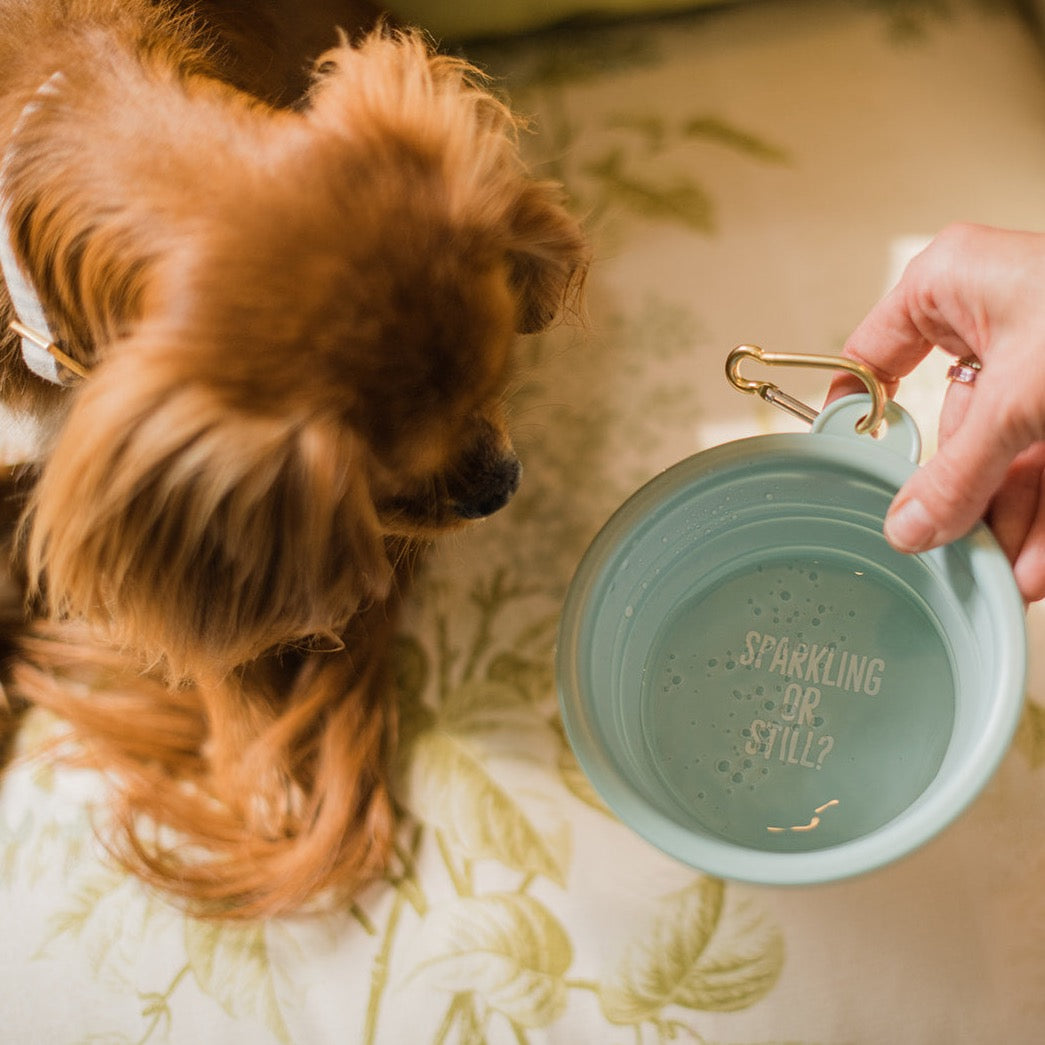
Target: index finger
(890,339)
(940,300)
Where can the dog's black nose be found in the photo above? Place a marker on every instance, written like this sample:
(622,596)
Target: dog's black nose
(491,490)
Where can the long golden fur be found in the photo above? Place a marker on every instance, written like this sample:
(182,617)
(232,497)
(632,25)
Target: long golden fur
(297,313)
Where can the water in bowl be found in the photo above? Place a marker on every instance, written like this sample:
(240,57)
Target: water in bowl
(798,704)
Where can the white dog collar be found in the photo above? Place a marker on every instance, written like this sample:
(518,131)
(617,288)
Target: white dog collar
(43,357)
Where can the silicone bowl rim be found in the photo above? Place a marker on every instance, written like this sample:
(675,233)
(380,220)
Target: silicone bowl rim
(886,844)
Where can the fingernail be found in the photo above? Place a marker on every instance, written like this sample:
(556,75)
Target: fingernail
(909,528)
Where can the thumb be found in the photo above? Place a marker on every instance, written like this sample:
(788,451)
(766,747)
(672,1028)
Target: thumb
(945,498)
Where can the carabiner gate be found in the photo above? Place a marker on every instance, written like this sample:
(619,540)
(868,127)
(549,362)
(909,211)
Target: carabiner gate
(772,393)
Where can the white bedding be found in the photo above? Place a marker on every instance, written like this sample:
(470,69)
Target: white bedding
(751,174)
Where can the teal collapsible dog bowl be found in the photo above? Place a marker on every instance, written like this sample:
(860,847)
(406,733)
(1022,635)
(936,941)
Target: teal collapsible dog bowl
(758,684)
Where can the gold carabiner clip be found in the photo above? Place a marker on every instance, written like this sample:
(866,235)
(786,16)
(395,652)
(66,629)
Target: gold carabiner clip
(772,393)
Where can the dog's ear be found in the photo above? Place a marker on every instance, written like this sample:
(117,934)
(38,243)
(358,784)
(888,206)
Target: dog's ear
(205,532)
(439,106)
(548,257)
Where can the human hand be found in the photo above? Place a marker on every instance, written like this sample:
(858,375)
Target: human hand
(977,293)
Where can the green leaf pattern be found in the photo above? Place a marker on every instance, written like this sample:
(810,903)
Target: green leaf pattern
(1030,735)
(468,775)
(231,965)
(506,948)
(476,911)
(705,951)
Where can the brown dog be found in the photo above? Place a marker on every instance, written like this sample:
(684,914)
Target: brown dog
(276,331)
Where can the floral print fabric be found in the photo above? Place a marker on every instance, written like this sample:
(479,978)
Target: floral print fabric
(755,173)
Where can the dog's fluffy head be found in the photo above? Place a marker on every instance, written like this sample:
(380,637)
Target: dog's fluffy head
(315,360)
